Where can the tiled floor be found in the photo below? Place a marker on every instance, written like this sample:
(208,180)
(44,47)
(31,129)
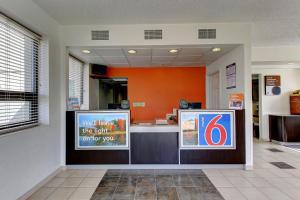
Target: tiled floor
(266,181)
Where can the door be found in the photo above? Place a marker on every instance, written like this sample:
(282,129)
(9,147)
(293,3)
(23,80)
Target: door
(215,91)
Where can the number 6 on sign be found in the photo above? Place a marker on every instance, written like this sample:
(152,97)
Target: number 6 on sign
(213,125)
(216,130)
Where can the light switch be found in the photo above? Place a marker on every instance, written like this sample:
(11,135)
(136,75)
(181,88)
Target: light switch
(139,104)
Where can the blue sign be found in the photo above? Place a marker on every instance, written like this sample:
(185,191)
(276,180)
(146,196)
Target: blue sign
(207,129)
(215,130)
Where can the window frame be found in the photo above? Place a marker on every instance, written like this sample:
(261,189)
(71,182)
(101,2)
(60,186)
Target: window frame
(24,96)
(81,82)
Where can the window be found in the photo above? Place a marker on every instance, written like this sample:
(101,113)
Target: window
(19,62)
(75,83)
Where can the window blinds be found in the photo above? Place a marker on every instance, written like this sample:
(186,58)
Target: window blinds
(19,62)
(75,84)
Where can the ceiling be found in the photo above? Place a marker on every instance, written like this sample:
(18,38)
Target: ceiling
(274,21)
(199,55)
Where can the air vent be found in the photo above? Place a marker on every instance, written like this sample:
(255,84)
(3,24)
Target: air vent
(100,35)
(207,34)
(153,34)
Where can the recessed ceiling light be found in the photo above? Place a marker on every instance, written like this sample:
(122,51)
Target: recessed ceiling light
(86,51)
(173,50)
(132,51)
(216,49)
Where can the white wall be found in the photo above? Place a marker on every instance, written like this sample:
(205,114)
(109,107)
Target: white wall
(290,80)
(241,56)
(173,34)
(276,54)
(29,156)
(234,56)
(94,94)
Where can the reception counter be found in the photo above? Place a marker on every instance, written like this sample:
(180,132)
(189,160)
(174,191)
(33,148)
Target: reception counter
(284,128)
(107,137)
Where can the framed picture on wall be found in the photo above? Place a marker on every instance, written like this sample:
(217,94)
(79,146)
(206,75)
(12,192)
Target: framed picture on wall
(231,76)
(272,85)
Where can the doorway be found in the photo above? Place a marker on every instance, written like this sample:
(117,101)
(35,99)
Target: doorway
(214,90)
(255,105)
(111,92)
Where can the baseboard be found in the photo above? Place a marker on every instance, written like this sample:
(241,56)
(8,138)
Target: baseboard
(40,184)
(285,143)
(153,166)
(248,167)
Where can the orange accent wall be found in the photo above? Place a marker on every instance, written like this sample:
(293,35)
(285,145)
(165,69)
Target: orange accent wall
(161,88)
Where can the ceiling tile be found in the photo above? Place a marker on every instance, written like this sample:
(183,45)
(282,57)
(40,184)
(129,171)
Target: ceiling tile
(163,52)
(189,58)
(139,58)
(139,51)
(140,63)
(163,58)
(114,59)
(193,51)
(119,64)
(188,64)
(109,51)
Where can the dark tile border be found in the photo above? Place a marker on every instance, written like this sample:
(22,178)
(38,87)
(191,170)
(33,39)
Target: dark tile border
(159,184)
(282,165)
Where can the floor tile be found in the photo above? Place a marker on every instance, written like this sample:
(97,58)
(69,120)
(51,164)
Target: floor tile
(274,194)
(71,182)
(164,181)
(212,172)
(182,180)
(239,182)
(114,172)
(82,194)
(109,182)
(96,173)
(167,193)
(195,172)
(124,192)
(258,182)
(146,181)
(55,182)
(231,194)
(103,193)
(253,194)
(61,194)
(293,193)
(188,193)
(147,193)
(220,181)
(64,174)
(200,181)
(79,173)
(128,181)
(42,194)
(90,182)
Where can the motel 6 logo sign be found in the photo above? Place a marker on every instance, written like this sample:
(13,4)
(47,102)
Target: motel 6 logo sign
(216,130)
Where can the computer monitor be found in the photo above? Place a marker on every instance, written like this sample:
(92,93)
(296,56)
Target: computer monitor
(195,105)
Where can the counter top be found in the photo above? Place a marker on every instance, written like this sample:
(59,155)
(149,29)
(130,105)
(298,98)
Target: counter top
(135,128)
(284,115)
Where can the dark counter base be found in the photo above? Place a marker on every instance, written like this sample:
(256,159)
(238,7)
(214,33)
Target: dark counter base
(284,128)
(81,157)
(154,148)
